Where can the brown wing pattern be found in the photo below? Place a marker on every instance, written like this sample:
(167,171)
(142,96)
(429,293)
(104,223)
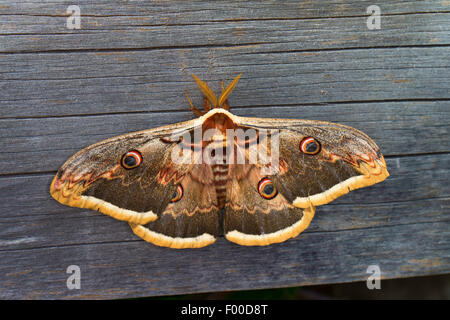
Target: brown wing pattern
(250,219)
(188,204)
(95,179)
(191,222)
(348,160)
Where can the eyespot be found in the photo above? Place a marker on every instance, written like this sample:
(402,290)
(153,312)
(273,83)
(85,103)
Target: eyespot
(266,189)
(178,194)
(132,159)
(310,145)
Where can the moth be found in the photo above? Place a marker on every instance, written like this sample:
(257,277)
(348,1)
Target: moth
(256,181)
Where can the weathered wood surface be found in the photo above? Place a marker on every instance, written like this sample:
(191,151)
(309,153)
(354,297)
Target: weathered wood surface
(127,68)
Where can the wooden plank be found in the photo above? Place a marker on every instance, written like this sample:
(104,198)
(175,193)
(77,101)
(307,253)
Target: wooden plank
(127,69)
(181,12)
(43,144)
(99,83)
(315,27)
(31,218)
(131,269)
(401,224)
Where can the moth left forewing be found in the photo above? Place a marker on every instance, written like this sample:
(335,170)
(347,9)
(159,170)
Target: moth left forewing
(95,177)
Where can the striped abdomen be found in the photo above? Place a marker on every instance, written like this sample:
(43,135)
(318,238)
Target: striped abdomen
(220,172)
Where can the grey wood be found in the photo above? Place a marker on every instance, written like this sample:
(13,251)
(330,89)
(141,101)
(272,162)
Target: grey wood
(181,12)
(203,24)
(129,269)
(32,219)
(44,144)
(102,83)
(400,225)
(127,69)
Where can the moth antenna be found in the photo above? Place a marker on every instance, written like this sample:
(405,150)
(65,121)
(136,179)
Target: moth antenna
(194,109)
(206,91)
(228,90)
(226,105)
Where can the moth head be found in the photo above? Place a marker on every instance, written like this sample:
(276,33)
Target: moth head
(266,189)
(310,146)
(131,159)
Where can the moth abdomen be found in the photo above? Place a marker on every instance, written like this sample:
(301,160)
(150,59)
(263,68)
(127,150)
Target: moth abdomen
(220,172)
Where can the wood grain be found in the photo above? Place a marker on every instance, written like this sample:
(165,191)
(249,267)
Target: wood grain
(127,69)
(281,26)
(414,124)
(415,181)
(133,81)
